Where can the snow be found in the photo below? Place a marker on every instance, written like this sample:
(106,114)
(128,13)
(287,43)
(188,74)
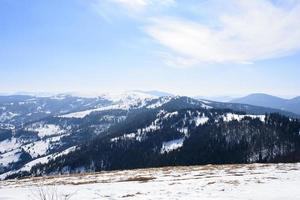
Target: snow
(205,101)
(152,127)
(231,116)
(41,160)
(59,97)
(38,148)
(7,126)
(28,166)
(200,120)
(9,157)
(85,113)
(197,117)
(128,96)
(45,129)
(206,106)
(140,133)
(9,144)
(123,101)
(45,159)
(184,130)
(171,145)
(127,101)
(170,115)
(81,114)
(7,116)
(124,137)
(160,102)
(209,182)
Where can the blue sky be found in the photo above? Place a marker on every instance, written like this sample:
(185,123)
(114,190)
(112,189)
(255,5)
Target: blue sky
(189,47)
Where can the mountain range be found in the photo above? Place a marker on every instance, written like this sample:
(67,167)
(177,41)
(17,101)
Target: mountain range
(68,134)
(265,100)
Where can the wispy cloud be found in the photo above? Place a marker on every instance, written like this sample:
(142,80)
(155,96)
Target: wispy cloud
(215,31)
(109,9)
(248,31)
(138,5)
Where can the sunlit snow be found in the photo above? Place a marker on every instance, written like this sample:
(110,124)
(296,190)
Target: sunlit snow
(209,182)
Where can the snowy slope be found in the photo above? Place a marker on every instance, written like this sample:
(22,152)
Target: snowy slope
(42,160)
(124,101)
(210,182)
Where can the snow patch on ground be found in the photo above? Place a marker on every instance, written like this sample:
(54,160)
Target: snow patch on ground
(183,130)
(7,126)
(120,102)
(209,182)
(41,147)
(160,102)
(45,159)
(79,115)
(42,160)
(128,96)
(9,144)
(9,157)
(38,148)
(170,115)
(140,133)
(7,116)
(200,120)
(232,116)
(46,129)
(171,145)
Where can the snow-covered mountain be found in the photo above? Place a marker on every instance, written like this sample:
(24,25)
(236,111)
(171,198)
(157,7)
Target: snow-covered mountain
(181,131)
(156,93)
(265,100)
(37,130)
(17,110)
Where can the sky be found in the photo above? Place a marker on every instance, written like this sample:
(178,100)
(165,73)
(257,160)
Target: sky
(185,47)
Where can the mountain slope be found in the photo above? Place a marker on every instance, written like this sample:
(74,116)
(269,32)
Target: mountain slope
(139,121)
(264,100)
(184,137)
(18,110)
(172,131)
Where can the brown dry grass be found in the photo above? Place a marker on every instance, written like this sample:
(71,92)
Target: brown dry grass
(139,179)
(131,195)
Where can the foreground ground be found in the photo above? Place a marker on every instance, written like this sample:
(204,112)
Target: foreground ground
(218,182)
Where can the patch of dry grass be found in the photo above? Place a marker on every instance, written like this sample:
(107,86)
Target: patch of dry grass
(139,179)
(131,195)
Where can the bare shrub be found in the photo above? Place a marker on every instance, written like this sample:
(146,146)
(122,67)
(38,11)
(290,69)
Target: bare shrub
(49,192)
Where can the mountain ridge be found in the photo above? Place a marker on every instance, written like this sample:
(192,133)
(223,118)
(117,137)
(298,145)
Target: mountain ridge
(265,100)
(36,130)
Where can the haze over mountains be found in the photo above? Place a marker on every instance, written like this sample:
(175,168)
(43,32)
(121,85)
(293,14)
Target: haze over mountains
(265,100)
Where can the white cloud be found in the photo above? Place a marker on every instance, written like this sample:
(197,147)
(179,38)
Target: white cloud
(138,9)
(133,6)
(137,5)
(247,32)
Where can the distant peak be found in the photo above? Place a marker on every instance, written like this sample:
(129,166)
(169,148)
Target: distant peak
(156,93)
